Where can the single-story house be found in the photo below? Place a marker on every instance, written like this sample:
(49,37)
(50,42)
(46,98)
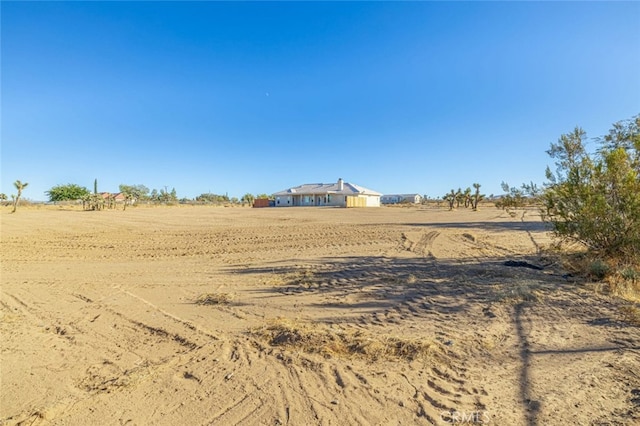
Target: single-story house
(339,194)
(401,198)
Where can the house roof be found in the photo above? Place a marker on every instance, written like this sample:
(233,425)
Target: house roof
(328,188)
(116,195)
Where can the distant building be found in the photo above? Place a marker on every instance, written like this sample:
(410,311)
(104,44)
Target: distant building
(401,198)
(340,194)
(262,202)
(118,197)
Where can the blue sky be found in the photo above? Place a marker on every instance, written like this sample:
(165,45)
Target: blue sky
(257,97)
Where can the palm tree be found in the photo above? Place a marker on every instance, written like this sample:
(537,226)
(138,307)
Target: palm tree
(19,186)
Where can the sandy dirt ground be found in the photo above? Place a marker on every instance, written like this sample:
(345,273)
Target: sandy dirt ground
(170,316)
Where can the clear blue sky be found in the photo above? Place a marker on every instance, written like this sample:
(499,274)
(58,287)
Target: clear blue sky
(257,97)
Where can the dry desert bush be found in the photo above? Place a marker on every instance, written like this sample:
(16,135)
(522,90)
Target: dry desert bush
(615,276)
(214,299)
(314,338)
(519,292)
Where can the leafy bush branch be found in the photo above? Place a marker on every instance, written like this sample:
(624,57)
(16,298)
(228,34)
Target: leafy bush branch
(595,198)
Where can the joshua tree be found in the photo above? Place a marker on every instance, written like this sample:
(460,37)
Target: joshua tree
(248,199)
(450,198)
(476,197)
(459,198)
(19,186)
(93,202)
(467,197)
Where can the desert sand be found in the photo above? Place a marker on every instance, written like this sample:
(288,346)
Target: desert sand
(303,316)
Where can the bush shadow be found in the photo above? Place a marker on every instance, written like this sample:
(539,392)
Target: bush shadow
(443,286)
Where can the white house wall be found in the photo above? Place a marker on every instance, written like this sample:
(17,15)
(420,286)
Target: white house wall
(337,200)
(332,200)
(302,200)
(373,200)
(305,200)
(284,201)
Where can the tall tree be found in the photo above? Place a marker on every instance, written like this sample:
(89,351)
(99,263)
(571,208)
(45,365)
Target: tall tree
(67,192)
(20,186)
(133,193)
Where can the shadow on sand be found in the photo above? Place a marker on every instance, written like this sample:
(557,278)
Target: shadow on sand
(531,226)
(425,286)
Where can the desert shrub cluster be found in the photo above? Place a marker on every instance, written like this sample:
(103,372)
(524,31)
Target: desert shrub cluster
(594,199)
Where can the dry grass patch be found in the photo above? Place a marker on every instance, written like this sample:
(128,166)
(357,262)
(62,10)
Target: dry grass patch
(321,340)
(617,277)
(631,314)
(214,299)
(518,292)
(625,283)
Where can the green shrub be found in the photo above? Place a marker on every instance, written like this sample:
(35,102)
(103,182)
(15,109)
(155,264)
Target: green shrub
(599,269)
(595,198)
(630,274)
